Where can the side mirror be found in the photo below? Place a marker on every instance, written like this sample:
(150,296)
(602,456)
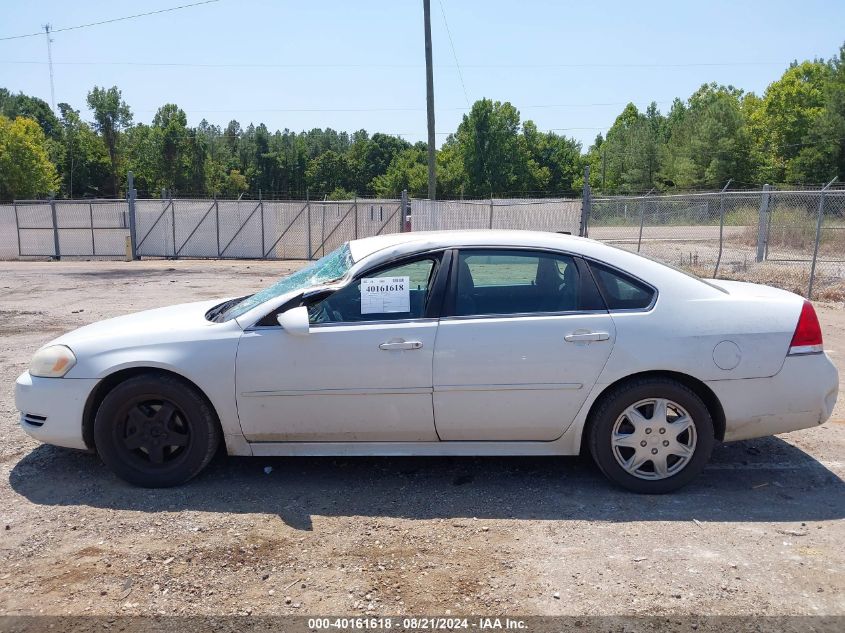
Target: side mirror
(295,321)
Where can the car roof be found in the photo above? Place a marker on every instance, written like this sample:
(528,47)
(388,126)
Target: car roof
(383,248)
(416,240)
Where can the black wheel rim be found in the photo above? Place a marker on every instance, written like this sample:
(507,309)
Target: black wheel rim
(154,432)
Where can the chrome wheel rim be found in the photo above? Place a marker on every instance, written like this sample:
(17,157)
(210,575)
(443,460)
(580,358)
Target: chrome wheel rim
(653,439)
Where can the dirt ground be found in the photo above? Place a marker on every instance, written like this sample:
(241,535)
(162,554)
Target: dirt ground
(760,532)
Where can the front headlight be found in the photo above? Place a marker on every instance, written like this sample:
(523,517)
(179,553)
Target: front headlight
(52,362)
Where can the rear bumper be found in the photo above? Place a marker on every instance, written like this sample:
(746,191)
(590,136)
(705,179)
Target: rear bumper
(802,394)
(51,408)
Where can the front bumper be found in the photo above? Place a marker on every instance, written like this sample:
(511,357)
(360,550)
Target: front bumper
(52,408)
(801,395)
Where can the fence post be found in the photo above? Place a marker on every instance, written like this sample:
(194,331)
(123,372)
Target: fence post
(762,222)
(217,223)
(18,229)
(355,216)
(586,204)
(261,212)
(642,221)
(322,227)
(721,225)
(91,218)
(131,195)
(308,225)
(173,222)
(56,250)
(404,207)
(642,218)
(490,223)
(818,237)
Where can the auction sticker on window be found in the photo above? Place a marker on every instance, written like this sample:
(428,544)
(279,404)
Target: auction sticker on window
(381,295)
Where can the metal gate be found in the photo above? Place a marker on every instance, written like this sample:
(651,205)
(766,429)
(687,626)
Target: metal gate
(76,228)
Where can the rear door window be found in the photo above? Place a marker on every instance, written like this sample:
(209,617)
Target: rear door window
(491,282)
(621,291)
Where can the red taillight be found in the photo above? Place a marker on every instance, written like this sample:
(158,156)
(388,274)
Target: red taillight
(808,333)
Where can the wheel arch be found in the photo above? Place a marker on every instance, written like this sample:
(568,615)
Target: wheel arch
(109,382)
(711,401)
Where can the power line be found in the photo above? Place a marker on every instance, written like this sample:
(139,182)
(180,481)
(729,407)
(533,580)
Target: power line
(380,65)
(645,65)
(454,54)
(101,22)
(386,109)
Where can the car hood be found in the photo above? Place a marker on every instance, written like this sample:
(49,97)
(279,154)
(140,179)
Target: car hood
(140,328)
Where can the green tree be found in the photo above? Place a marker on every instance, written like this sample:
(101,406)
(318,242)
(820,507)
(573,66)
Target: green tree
(327,173)
(789,109)
(371,157)
(559,165)
(143,158)
(494,157)
(292,158)
(709,140)
(196,150)
(25,167)
(234,183)
(627,159)
(822,153)
(232,137)
(408,170)
(13,106)
(170,127)
(84,162)
(451,177)
(111,116)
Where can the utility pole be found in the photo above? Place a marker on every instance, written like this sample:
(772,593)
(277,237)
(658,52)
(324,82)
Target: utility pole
(429,97)
(603,171)
(50,63)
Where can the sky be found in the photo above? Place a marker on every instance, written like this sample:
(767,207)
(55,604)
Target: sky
(568,66)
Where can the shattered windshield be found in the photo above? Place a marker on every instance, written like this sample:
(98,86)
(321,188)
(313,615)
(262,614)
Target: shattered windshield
(326,269)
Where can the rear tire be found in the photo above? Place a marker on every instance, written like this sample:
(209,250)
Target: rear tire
(155,431)
(651,435)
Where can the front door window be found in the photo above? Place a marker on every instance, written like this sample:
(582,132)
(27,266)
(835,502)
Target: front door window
(345,305)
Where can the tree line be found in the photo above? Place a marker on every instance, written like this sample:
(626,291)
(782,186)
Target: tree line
(794,133)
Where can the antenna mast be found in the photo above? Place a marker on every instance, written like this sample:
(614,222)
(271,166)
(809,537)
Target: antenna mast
(50,62)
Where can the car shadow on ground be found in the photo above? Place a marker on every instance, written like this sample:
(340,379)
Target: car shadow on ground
(758,480)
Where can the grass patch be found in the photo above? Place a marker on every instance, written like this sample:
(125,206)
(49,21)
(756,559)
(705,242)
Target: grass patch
(792,228)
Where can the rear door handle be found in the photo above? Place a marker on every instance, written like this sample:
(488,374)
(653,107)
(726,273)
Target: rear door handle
(394,345)
(586,336)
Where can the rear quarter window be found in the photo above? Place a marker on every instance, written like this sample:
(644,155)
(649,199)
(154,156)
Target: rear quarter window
(621,291)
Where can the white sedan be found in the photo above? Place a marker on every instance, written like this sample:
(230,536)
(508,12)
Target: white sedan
(448,343)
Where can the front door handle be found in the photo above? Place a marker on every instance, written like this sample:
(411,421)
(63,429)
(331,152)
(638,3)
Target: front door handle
(394,345)
(586,336)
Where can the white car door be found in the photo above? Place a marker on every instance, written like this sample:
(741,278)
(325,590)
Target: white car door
(524,337)
(358,375)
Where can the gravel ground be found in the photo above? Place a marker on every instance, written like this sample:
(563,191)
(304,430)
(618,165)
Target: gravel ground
(760,532)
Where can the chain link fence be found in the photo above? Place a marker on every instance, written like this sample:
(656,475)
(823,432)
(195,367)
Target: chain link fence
(790,239)
(209,228)
(556,215)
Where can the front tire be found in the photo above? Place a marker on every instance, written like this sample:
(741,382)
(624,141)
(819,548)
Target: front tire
(155,431)
(652,435)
